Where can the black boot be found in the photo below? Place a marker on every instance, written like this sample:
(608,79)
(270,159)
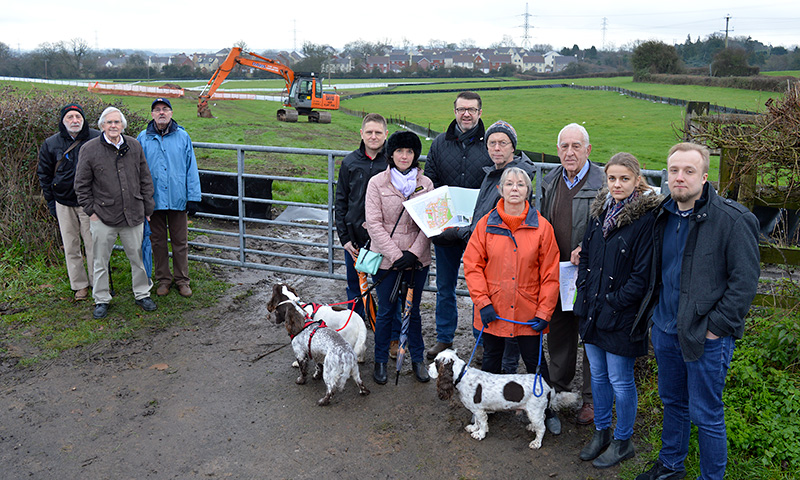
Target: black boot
(618,451)
(600,440)
(420,371)
(379,375)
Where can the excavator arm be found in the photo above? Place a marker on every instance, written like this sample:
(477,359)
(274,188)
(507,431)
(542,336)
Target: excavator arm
(304,92)
(235,57)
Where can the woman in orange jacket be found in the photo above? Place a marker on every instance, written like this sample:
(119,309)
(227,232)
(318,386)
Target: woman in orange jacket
(511,268)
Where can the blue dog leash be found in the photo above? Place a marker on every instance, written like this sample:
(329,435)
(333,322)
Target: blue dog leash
(537,377)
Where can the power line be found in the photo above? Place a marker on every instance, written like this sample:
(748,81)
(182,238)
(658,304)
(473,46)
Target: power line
(526,43)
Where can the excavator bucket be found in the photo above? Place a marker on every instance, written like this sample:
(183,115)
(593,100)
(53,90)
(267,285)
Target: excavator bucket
(203,111)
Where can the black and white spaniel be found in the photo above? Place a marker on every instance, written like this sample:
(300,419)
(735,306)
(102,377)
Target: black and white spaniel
(483,393)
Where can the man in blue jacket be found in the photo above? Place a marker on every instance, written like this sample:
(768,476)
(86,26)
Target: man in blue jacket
(703,279)
(170,156)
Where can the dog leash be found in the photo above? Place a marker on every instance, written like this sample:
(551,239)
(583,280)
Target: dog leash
(466,365)
(537,378)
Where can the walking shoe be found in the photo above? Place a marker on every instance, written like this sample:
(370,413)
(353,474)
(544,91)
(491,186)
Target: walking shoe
(585,414)
(185,291)
(659,472)
(437,349)
(379,374)
(599,442)
(163,289)
(393,346)
(147,304)
(82,294)
(552,422)
(420,371)
(100,310)
(618,451)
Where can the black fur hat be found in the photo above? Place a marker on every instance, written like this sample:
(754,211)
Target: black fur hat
(404,139)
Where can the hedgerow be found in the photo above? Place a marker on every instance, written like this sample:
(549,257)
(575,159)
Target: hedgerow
(27,118)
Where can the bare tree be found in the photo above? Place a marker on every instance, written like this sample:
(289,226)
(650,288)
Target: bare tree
(243,45)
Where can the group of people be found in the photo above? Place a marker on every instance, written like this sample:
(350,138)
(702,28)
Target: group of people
(103,185)
(678,270)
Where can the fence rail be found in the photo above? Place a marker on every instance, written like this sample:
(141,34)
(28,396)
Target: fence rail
(239,236)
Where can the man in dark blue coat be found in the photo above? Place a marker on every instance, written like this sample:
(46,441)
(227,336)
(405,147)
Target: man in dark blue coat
(58,159)
(456,158)
(704,277)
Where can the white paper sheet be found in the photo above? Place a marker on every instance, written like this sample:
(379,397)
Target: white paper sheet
(568,274)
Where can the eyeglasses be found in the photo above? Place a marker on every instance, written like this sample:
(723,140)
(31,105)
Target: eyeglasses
(159,109)
(462,110)
(501,143)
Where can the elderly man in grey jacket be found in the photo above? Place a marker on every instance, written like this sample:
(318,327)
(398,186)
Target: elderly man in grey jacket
(114,187)
(567,194)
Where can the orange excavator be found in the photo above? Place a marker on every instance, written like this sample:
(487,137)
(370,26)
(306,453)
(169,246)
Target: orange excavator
(304,90)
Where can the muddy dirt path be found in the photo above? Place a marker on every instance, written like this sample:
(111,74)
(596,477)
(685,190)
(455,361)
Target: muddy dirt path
(216,398)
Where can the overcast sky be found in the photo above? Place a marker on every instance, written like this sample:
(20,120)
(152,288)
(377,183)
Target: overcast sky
(204,25)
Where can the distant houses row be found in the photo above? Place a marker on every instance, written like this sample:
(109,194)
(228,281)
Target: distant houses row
(397,61)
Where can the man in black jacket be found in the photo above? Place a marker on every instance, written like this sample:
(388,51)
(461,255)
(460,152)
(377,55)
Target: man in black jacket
(356,170)
(58,158)
(703,279)
(456,158)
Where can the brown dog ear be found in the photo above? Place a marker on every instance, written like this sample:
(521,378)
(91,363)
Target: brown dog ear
(273,302)
(444,382)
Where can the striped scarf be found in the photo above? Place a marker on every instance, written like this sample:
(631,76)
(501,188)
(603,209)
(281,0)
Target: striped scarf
(610,223)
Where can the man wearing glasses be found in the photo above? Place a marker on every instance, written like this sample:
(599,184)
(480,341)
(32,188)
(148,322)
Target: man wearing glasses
(456,158)
(170,156)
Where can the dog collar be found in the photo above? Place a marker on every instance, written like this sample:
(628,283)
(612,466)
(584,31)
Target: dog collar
(460,375)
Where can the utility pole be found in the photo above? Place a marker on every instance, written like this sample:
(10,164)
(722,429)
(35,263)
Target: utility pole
(727,21)
(526,43)
(294,46)
(605,26)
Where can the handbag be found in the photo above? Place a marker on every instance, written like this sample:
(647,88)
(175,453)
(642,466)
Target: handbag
(369,261)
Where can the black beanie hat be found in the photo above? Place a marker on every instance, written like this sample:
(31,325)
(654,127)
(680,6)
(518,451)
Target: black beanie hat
(72,106)
(404,139)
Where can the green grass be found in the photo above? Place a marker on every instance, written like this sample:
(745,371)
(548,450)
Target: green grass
(50,321)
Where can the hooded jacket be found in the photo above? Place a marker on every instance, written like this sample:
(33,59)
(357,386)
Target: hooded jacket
(114,184)
(383,207)
(173,166)
(718,275)
(613,274)
(57,186)
(581,203)
(455,163)
(351,188)
(516,273)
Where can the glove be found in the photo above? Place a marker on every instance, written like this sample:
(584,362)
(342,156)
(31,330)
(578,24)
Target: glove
(406,262)
(488,315)
(449,237)
(538,324)
(192,207)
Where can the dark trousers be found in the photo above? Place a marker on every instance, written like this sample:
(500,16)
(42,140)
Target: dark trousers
(493,347)
(177,223)
(562,343)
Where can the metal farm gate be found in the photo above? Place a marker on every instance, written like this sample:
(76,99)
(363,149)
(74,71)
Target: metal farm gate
(295,247)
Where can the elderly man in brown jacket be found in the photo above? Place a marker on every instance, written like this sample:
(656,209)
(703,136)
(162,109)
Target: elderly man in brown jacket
(114,187)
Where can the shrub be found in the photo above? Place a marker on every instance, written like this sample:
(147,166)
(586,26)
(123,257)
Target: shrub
(27,118)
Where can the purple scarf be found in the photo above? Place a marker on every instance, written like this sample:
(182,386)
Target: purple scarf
(610,223)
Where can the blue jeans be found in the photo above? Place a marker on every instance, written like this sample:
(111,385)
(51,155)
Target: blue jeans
(448,261)
(353,284)
(388,314)
(612,379)
(692,393)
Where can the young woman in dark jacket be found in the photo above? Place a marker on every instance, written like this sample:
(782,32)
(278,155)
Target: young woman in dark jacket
(612,279)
